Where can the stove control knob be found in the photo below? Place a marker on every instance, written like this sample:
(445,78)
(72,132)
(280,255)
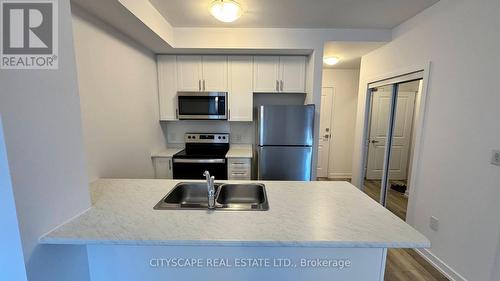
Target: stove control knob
(219,137)
(189,137)
(224,137)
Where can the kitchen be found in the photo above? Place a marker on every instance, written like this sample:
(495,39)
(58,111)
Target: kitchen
(224,89)
(166,144)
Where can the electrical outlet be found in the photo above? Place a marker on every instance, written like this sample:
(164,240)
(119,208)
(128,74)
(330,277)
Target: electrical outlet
(495,158)
(434,223)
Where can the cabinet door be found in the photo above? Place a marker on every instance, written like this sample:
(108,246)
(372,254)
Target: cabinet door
(163,167)
(214,73)
(292,74)
(265,74)
(189,73)
(240,88)
(167,87)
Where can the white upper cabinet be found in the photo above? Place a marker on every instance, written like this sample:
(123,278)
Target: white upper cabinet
(292,74)
(240,88)
(189,73)
(167,87)
(279,74)
(202,73)
(214,73)
(265,75)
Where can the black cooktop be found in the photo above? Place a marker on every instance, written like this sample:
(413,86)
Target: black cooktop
(208,155)
(203,151)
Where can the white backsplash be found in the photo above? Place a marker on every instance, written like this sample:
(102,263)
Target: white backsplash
(240,132)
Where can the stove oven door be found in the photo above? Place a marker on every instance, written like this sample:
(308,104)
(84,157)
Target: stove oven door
(193,169)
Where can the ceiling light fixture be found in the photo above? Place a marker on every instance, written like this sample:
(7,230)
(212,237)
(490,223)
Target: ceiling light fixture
(225,10)
(331,60)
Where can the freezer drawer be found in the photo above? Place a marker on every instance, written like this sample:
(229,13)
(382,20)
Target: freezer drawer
(285,125)
(284,163)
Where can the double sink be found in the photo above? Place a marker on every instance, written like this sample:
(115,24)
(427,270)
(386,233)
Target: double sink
(229,197)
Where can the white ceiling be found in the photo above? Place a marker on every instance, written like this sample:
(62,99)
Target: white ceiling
(350,53)
(296,13)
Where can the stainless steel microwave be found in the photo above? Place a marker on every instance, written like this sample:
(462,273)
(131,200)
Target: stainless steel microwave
(202,105)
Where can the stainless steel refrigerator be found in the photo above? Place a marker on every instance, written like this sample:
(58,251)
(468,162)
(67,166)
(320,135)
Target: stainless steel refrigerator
(284,142)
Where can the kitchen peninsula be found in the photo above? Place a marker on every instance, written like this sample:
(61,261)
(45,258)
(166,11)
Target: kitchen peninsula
(312,231)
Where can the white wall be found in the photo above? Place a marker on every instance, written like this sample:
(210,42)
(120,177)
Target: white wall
(11,256)
(455,181)
(345,82)
(117,80)
(43,135)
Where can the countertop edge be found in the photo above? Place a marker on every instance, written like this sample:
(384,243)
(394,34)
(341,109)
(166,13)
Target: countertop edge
(297,244)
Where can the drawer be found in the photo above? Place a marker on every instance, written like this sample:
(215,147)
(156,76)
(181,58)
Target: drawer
(239,164)
(239,175)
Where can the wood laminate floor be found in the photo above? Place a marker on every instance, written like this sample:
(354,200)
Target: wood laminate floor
(402,264)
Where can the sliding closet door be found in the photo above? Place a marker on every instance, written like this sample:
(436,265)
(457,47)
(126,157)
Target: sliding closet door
(380,112)
(390,131)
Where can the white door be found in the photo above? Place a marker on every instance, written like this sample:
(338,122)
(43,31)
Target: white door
(265,74)
(240,88)
(403,122)
(325,132)
(214,73)
(189,73)
(292,74)
(167,87)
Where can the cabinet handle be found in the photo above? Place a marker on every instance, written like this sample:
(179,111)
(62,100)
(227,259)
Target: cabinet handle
(281,85)
(177,114)
(203,84)
(277,85)
(169,165)
(229,114)
(199,85)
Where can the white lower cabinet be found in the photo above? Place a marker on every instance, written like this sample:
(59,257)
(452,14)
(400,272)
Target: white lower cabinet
(163,167)
(239,169)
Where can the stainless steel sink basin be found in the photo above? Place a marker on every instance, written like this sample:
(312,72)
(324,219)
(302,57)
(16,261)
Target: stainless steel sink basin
(186,196)
(230,197)
(242,197)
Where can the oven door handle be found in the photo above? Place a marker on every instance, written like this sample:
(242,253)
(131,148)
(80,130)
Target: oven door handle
(200,161)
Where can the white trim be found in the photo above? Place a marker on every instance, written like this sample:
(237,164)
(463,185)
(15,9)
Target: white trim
(339,175)
(383,264)
(442,267)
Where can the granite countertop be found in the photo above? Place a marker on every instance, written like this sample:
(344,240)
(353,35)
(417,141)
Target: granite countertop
(168,152)
(240,151)
(301,214)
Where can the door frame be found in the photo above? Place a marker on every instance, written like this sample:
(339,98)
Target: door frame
(417,130)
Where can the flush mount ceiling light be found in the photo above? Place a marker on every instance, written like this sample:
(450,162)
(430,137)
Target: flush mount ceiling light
(331,60)
(225,10)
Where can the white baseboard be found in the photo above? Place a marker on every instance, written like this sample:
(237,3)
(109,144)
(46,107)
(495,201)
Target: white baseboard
(339,175)
(442,267)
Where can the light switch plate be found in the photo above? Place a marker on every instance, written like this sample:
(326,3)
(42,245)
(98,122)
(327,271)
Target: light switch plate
(495,158)
(434,223)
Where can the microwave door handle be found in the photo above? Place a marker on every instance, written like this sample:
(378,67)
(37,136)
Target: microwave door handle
(217,105)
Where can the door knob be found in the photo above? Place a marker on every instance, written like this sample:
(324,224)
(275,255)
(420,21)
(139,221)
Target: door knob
(374,141)
(326,136)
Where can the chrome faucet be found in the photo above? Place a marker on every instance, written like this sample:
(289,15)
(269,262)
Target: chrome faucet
(211,189)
